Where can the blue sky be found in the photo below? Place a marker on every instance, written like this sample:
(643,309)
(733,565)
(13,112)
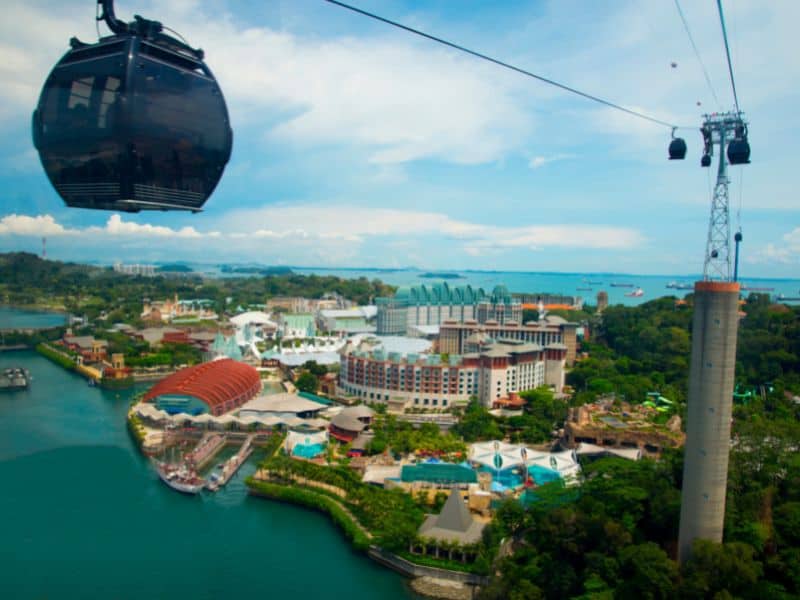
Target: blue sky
(356,144)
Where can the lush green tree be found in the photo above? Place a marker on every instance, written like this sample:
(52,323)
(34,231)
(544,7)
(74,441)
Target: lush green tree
(315,368)
(715,569)
(307,382)
(477,424)
(647,573)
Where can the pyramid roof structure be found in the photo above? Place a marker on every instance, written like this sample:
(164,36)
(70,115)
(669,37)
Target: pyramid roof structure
(454,523)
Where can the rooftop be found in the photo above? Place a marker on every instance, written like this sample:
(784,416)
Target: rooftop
(454,523)
(281,403)
(215,382)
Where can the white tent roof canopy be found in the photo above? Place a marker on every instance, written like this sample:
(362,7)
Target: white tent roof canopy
(501,455)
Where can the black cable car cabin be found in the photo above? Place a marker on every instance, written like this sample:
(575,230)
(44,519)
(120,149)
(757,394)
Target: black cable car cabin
(133,122)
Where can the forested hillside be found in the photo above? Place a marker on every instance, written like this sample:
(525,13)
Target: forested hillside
(27,280)
(616,537)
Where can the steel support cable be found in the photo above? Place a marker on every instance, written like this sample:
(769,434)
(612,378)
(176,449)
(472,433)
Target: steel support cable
(506,65)
(697,54)
(728,54)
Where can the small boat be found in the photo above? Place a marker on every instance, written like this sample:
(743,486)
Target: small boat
(584,289)
(179,477)
(637,293)
(15,378)
(624,285)
(748,288)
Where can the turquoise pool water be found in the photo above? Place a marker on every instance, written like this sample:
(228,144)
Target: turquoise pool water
(308,450)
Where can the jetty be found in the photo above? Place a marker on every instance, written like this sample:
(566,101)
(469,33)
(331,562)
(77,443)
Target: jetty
(229,468)
(205,451)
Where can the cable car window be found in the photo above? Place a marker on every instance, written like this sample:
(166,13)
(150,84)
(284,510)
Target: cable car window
(77,103)
(81,93)
(107,99)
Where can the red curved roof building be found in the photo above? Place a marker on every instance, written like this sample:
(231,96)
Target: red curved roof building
(214,387)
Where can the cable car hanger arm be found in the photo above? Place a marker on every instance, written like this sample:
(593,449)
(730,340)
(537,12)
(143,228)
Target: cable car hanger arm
(114,24)
(141,27)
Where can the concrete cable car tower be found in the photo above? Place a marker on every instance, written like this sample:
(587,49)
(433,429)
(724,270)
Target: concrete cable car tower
(713,359)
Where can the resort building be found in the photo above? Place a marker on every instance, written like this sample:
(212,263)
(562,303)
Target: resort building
(225,347)
(136,269)
(258,321)
(297,325)
(550,332)
(347,321)
(282,405)
(432,305)
(431,381)
(290,304)
(350,422)
(501,307)
(89,349)
(166,311)
(550,301)
(214,387)
(298,304)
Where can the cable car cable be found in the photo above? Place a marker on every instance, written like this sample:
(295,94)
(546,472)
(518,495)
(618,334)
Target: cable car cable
(728,54)
(697,54)
(507,65)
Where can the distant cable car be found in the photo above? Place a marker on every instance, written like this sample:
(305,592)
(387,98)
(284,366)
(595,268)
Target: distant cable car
(739,147)
(739,151)
(133,122)
(705,161)
(677,148)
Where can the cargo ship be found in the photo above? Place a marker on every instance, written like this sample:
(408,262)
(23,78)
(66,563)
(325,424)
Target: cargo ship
(179,477)
(14,378)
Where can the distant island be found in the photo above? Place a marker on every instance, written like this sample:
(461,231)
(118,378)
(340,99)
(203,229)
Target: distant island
(175,268)
(256,270)
(441,276)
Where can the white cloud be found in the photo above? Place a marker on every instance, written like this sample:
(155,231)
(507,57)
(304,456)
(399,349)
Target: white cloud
(350,223)
(345,226)
(46,225)
(785,252)
(117,227)
(387,96)
(40,225)
(539,161)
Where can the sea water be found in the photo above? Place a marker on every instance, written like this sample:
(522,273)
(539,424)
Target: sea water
(84,515)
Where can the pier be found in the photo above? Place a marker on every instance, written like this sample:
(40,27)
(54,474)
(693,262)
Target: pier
(232,465)
(205,451)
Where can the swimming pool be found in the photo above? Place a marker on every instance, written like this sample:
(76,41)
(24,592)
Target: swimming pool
(308,450)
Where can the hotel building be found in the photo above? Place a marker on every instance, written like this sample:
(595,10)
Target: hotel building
(460,338)
(432,381)
(432,305)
